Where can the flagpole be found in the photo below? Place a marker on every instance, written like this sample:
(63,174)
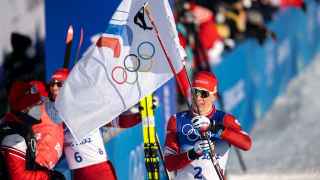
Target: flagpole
(146,7)
(212,156)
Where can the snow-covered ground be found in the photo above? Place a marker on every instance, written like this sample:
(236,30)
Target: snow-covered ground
(281,176)
(286,143)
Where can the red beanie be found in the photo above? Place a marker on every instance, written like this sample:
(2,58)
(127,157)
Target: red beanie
(40,87)
(60,74)
(22,96)
(205,80)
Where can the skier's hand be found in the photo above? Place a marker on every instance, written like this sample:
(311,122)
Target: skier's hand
(56,175)
(200,123)
(202,147)
(155,105)
(155,102)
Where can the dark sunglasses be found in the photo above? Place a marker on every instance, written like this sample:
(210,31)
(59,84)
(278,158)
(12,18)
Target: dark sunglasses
(201,93)
(58,83)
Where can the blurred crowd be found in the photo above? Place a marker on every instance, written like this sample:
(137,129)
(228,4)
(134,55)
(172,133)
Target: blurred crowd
(209,28)
(24,63)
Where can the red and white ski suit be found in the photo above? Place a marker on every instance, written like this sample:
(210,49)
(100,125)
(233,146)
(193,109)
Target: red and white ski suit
(181,137)
(49,137)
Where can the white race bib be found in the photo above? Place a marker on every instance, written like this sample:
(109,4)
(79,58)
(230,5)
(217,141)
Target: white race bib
(90,150)
(203,168)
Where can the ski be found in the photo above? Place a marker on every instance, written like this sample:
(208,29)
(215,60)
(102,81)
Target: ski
(67,53)
(162,157)
(149,138)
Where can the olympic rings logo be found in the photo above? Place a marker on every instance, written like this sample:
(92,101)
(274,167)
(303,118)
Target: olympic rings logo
(191,133)
(120,71)
(146,50)
(134,63)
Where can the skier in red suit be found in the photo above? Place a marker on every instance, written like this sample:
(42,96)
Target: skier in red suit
(186,152)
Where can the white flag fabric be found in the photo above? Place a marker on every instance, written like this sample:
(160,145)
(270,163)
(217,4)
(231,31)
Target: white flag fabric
(124,65)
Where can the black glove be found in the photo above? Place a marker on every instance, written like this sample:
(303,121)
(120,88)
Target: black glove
(304,7)
(217,129)
(155,102)
(56,175)
(192,155)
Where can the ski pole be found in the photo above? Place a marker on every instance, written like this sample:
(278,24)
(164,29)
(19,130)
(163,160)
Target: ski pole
(214,159)
(79,46)
(238,153)
(161,156)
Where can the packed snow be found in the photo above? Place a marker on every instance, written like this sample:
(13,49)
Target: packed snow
(286,143)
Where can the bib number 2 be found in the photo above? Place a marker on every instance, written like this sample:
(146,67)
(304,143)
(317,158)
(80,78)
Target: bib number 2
(198,172)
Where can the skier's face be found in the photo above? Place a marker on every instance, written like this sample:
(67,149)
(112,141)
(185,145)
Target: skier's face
(202,101)
(55,89)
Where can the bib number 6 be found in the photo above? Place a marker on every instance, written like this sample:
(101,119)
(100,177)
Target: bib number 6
(77,157)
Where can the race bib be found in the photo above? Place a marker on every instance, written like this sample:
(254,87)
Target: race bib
(90,150)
